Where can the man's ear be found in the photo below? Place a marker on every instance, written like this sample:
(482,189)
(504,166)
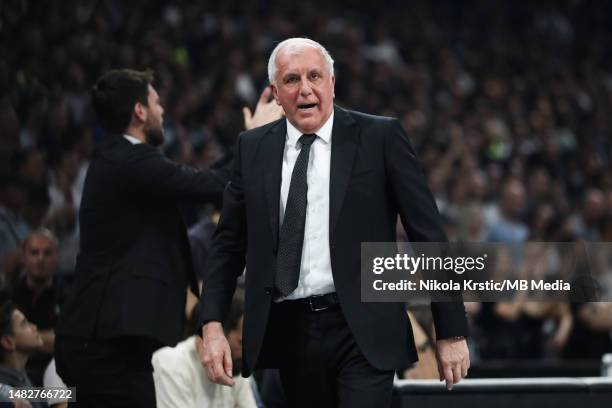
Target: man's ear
(333,81)
(7,342)
(275,93)
(140,112)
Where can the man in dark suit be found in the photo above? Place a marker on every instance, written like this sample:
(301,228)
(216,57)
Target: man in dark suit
(134,263)
(305,192)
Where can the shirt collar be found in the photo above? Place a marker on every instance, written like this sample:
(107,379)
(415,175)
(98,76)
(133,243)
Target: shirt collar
(324,133)
(132,139)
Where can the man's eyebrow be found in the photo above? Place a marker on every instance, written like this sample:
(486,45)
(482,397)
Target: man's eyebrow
(289,76)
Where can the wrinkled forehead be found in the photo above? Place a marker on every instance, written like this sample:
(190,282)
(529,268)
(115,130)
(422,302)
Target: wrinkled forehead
(297,48)
(286,59)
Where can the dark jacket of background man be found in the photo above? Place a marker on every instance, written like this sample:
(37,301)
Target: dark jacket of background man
(135,258)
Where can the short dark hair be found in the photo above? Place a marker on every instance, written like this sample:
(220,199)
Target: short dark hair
(115,94)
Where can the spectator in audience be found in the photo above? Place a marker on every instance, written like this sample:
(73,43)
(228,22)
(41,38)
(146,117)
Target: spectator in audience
(591,335)
(544,222)
(39,293)
(19,339)
(181,380)
(528,322)
(508,227)
(587,223)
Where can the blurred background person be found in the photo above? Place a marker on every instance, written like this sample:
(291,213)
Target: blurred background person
(39,293)
(181,380)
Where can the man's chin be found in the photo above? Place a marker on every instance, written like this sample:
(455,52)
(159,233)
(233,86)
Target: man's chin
(155,138)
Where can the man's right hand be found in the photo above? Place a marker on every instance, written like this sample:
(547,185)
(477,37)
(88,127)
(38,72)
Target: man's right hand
(216,356)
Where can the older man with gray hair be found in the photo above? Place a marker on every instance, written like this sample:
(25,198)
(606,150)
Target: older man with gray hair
(306,191)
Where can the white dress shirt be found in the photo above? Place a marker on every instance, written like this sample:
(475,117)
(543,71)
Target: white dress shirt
(315,269)
(132,139)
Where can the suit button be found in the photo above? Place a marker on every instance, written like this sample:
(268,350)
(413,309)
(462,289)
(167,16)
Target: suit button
(268,291)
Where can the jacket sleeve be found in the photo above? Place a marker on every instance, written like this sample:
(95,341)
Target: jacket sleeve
(147,171)
(420,217)
(226,259)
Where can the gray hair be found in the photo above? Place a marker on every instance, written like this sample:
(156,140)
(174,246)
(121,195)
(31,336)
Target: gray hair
(295,46)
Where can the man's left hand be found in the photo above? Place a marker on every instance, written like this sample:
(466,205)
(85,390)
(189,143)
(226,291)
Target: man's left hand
(453,360)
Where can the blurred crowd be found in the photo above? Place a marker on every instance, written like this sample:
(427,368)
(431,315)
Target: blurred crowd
(508,105)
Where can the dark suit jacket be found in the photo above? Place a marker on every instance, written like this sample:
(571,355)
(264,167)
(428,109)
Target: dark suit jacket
(134,262)
(374,176)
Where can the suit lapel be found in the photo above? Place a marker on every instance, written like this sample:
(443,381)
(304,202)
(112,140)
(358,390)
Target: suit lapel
(273,145)
(345,134)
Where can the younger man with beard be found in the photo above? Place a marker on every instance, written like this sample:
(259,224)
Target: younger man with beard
(128,296)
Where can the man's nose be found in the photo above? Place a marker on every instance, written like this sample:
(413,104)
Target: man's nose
(305,88)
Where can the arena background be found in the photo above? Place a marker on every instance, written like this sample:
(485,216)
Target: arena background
(508,104)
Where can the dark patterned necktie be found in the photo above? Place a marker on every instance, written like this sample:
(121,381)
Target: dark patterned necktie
(291,237)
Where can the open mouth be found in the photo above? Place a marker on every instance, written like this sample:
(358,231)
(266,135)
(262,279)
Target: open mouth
(307,106)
